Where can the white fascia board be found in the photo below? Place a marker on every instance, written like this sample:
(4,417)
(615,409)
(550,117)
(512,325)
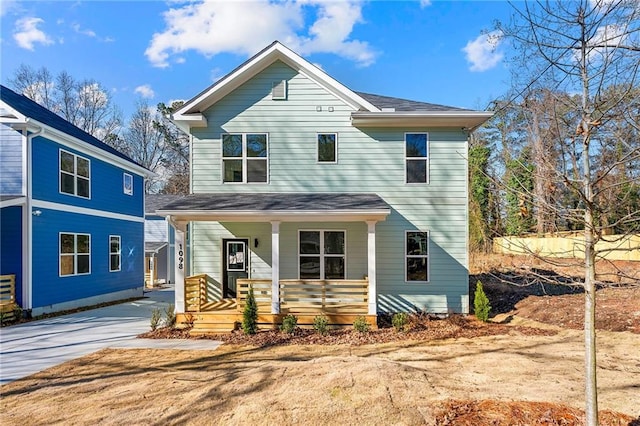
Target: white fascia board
(275,215)
(245,72)
(469,120)
(189,120)
(18,201)
(85,147)
(10,115)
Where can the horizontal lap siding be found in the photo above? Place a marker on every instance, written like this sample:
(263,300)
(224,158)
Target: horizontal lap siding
(49,288)
(10,161)
(369,160)
(11,246)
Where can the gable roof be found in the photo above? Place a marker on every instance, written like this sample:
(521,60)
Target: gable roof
(31,110)
(369,110)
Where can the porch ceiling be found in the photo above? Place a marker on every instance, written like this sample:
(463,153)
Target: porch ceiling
(284,207)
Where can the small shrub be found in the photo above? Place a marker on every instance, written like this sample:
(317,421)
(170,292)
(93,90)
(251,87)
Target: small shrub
(360,324)
(170,316)
(400,321)
(155,319)
(481,304)
(289,324)
(250,314)
(17,313)
(321,324)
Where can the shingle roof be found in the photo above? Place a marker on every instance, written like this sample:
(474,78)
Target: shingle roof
(286,202)
(404,104)
(153,202)
(31,109)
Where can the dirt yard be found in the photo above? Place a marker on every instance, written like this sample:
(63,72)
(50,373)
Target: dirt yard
(447,372)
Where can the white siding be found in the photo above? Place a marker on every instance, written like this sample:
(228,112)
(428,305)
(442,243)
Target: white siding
(10,161)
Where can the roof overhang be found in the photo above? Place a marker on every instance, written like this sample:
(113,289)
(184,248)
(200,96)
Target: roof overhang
(155,249)
(275,215)
(468,120)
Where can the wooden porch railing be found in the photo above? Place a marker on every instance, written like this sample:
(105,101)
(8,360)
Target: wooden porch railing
(8,294)
(261,292)
(199,290)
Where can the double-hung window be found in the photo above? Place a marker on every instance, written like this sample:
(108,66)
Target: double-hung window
(322,255)
(327,147)
(417,256)
(115,253)
(244,158)
(75,254)
(75,174)
(417,157)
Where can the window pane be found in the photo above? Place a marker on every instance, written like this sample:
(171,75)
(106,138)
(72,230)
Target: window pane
(256,170)
(83,264)
(334,268)
(417,269)
(66,162)
(115,262)
(416,171)
(114,245)
(334,242)
(232,145)
(83,244)
(128,184)
(256,145)
(232,170)
(327,148)
(83,187)
(67,243)
(66,265)
(309,242)
(83,167)
(309,267)
(67,183)
(416,144)
(417,243)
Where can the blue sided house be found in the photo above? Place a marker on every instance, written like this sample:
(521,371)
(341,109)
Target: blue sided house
(71,212)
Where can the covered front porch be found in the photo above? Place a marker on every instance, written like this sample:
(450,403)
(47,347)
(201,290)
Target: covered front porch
(307,272)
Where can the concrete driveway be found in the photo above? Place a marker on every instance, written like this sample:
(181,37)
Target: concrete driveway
(28,348)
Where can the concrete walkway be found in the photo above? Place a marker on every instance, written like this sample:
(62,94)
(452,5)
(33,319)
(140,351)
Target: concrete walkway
(31,347)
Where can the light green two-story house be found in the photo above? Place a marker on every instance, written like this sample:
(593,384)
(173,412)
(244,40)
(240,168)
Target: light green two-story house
(324,200)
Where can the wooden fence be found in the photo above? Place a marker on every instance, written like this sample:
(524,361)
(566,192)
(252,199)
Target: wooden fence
(570,245)
(7,295)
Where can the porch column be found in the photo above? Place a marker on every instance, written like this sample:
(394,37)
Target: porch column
(371,259)
(180,262)
(275,267)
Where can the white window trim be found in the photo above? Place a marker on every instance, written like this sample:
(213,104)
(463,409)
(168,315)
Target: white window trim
(74,174)
(119,253)
(318,148)
(427,158)
(321,254)
(406,256)
(74,254)
(244,159)
(124,184)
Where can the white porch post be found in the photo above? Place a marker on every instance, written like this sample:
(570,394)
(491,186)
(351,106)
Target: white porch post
(275,267)
(180,262)
(371,259)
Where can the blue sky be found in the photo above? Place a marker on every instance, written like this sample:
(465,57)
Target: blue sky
(431,51)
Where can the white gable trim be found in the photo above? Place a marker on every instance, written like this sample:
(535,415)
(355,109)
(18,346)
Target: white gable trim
(9,115)
(191,112)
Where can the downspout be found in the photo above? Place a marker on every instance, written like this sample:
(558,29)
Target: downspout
(27,228)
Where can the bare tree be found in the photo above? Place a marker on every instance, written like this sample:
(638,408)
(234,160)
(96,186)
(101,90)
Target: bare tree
(586,53)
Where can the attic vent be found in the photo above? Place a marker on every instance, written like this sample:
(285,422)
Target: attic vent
(279,90)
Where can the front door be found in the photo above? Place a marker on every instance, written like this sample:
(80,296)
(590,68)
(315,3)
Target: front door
(235,264)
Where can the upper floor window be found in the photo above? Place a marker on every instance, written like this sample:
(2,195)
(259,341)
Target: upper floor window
(417,256)
(75,254)
(322,255)
(245,158)
(115,253)
(127,184)
(75,177)
(417,158)
(327,147)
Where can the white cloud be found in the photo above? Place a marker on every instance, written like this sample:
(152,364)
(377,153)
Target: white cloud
(483,52)
(89,33)
(7,6)
(145,91)
(245,27)
(425,3)
(27,34)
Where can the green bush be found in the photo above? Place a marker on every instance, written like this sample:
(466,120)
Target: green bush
(400,321)
(321,324)
(481,304)
(156,315)
(170,316)
(250,314)
(360,324)
(289,324)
